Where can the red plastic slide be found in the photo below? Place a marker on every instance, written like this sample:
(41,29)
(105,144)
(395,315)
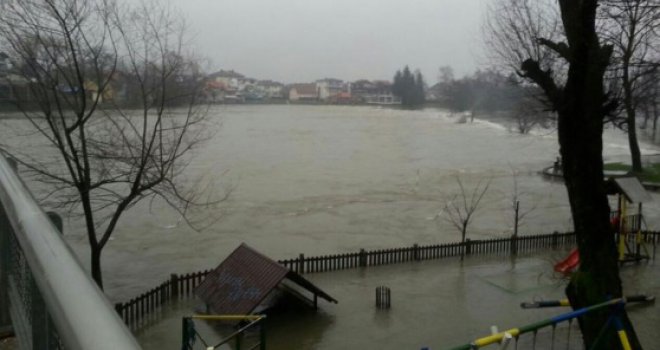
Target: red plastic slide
(569,264)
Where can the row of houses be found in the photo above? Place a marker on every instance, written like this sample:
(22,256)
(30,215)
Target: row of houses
(224,86)
(230,86)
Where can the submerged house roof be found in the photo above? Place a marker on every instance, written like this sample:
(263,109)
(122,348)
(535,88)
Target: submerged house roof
(243,281)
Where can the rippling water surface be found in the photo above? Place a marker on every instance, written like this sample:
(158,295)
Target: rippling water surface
(328,179)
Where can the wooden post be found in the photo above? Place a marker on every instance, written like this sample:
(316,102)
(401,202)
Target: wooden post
(416,252)
(301,263)
(468,246)
(515,225)
(555,239)
(514,245)
(363,258)
(174,285)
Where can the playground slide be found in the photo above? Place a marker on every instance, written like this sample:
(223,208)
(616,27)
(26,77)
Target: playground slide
(569,264)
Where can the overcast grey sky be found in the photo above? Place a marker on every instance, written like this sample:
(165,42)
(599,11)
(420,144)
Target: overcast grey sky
(305,40)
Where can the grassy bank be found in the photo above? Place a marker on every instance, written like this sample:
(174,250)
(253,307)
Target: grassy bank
(650,172)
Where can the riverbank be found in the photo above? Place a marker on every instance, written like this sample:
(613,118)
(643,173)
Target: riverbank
(650,177)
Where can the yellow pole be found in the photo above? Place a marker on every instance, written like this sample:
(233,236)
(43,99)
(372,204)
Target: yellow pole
(624,340)
(622,229)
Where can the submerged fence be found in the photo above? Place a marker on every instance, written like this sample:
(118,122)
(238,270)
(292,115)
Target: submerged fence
(143,308)
(363,258)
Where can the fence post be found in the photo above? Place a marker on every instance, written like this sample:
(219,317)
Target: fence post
(174,285)
(514,245)
(468,246)
(5,231)
(416,252)
(555,239)
(363,258)
(301,263)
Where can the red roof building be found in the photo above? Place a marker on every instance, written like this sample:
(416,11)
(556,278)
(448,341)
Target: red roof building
(246,279)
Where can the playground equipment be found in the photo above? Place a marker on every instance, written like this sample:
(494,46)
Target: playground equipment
(627,223)
(512,335)
(569,264)
(640,298)
(189,334)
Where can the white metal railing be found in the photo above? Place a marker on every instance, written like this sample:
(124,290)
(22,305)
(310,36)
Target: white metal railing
(45,294)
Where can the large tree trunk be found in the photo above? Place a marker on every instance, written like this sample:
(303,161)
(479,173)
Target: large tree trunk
(580,128)
(582,105)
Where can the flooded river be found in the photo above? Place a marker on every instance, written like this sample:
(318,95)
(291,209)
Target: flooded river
(329,179)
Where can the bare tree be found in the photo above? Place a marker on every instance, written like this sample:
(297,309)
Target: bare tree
(650,101)
(512,30)
(529,112)
(460,209)
(631,27)
(85,60)
(516,197)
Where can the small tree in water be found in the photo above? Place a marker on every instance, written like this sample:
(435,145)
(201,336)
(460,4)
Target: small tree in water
(460,209)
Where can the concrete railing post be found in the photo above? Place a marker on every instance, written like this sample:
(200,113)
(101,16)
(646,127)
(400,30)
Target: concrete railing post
(5,231)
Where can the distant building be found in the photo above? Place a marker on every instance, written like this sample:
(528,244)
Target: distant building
(230,78)
(328,87)
(374,92)
(272,89)
(303,92)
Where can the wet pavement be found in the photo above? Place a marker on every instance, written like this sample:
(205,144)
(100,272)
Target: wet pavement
(436,304)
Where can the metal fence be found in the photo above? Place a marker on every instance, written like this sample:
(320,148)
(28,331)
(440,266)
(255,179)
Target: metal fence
(46,297)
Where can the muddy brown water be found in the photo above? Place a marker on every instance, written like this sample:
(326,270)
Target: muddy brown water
(331,179)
